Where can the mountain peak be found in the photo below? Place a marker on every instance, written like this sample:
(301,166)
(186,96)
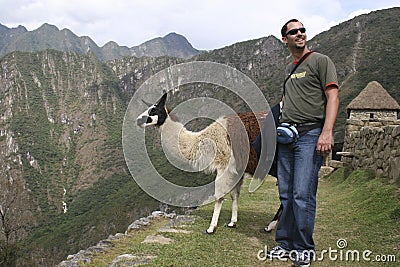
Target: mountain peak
(173,35)
(47,27)
(172,44)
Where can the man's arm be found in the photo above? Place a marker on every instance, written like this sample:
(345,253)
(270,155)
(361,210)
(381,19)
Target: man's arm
(325,140)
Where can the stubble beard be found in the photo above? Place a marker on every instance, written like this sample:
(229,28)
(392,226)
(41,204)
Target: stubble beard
(301,47)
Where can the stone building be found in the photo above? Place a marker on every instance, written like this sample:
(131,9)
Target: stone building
(373,103)
(372,135)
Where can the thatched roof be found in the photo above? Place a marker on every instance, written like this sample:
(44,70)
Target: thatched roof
(375,97)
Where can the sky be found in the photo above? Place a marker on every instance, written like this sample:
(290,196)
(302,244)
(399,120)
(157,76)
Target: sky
(207,24)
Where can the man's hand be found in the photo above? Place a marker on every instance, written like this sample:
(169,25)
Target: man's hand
(325,142)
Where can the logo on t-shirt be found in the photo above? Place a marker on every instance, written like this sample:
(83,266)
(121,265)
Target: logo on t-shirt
(298,75)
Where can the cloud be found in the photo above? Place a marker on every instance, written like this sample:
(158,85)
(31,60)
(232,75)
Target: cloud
(357,13)
(207,24)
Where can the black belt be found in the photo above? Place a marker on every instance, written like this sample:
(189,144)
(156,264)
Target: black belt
(303,128)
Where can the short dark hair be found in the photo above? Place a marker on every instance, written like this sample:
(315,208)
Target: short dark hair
(284,28)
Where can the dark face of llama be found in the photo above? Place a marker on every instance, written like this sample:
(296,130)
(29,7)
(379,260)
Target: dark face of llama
(154,115)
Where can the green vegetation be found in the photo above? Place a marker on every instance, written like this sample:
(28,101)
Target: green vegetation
(105,208)
(357,207)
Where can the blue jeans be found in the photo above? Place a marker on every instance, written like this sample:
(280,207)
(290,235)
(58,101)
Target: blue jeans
(298,167)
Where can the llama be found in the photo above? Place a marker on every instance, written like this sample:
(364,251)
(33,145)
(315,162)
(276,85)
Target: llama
(223,155)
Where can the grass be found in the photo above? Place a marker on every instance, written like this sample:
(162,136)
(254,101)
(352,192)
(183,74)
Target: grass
(359,208)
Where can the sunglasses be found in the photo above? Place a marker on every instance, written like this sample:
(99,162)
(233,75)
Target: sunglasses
(294,31)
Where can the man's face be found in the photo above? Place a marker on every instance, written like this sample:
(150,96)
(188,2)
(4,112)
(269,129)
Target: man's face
(296,36)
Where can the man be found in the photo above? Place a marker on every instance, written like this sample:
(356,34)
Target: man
(310,102)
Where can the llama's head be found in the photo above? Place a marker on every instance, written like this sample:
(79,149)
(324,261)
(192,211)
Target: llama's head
(155,115)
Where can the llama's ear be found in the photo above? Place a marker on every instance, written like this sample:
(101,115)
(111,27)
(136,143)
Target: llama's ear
(162,100)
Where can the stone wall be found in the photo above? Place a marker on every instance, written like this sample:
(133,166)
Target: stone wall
(373,145)
(373,114)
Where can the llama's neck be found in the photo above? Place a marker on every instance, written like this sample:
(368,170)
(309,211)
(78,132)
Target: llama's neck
(176,138)
(208,148)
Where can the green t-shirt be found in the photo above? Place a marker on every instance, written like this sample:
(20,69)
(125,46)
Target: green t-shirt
(305,99)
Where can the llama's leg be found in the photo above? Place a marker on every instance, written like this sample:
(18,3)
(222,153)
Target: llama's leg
(235,193)
(222,187)
(272,225)
(214,220)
